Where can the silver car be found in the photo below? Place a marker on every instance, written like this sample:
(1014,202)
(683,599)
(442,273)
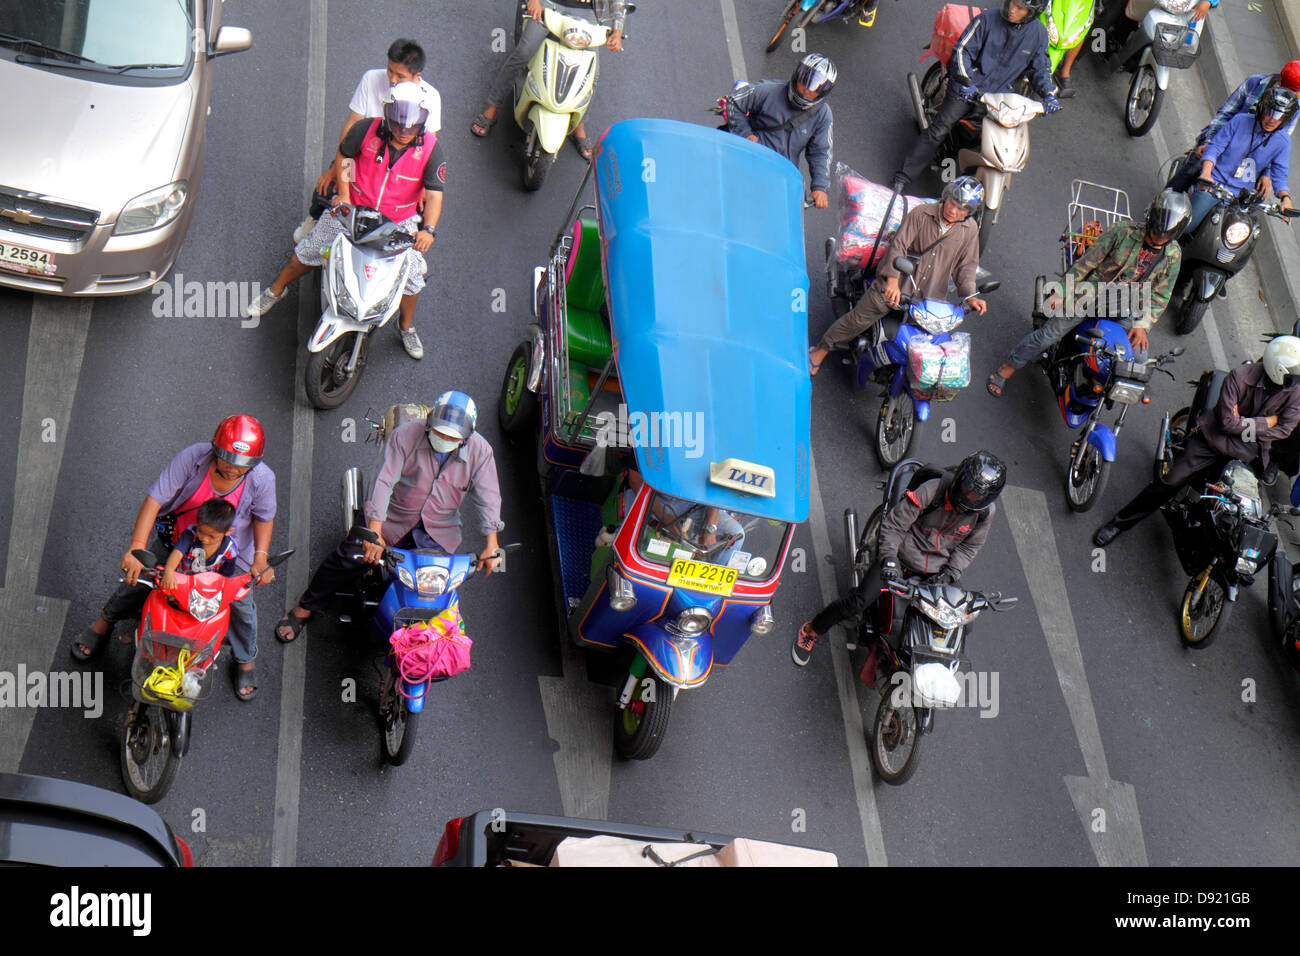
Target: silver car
(106,104)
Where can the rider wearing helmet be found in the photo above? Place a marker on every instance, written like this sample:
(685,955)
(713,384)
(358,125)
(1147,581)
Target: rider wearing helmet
(229,466)
(429,467)
(1259,404)
(792,118)
(993,52)
(1126,253)
(396,169)
(944,240)
(933,531)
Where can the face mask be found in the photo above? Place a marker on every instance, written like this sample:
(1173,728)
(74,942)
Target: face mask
(443,445)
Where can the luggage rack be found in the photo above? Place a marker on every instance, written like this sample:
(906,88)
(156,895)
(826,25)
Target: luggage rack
(1093,209)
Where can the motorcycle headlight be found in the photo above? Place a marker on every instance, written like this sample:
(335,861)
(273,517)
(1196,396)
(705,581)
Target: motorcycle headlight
(202,608)
(694,620)
(945,617)
(1246,566)
(430,581)
(576,38)
(342,298)
(404,576)
(152,209)
(456,581)
(1235,233)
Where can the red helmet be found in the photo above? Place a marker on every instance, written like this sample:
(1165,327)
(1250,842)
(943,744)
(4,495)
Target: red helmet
(1290,77)
(239,440)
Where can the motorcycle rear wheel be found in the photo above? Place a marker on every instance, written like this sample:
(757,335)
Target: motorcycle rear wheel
(326,379)
(397,723)
(1199,618)
(151,752)
(537,161)
(869,541)
(786,16)
(1084,485)
(896,428)
(1139,115)
(895,738)
(639,728)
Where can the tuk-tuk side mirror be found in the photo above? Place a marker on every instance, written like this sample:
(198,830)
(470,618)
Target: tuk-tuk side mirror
(904,265)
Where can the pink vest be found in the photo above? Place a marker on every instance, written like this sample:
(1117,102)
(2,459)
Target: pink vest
(394,192)
(187,511)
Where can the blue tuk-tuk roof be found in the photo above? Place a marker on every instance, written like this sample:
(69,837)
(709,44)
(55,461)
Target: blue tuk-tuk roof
(708,296)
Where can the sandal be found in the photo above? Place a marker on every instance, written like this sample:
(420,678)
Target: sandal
(813,366)
(91,640)
(483,124)
(294,623)
(996,384)
(584,145)
(244,682)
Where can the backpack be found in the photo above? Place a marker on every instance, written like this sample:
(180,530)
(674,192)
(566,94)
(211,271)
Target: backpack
(929,472)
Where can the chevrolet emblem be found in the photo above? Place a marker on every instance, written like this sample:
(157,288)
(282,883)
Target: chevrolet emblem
(23,217)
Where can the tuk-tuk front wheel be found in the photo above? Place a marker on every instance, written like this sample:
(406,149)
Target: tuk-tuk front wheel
(517,406)
(639,728)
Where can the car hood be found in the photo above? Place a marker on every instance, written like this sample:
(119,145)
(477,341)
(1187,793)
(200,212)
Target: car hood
(102,145)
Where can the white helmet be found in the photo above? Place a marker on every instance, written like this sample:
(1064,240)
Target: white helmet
(404,108)
(1281,360)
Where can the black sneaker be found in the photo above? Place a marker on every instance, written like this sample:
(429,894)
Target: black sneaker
(899,182)
(804,642)
(1065,89)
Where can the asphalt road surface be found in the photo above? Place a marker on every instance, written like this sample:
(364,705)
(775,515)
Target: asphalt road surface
(1108,742)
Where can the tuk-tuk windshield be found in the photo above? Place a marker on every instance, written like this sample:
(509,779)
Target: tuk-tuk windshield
(675,528)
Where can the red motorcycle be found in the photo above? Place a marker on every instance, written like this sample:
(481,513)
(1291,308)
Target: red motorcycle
(177,640)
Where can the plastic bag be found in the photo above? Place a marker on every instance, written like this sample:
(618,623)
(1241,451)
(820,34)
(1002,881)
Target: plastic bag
(938,370)
(949,23)
(862,205)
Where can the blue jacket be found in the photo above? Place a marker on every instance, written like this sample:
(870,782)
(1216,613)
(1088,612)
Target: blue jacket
(991,54)
(1240,146)
(1243,100)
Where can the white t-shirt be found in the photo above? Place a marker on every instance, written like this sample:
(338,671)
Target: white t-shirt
(368,100)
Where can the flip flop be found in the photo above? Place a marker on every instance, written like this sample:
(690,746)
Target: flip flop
(996,384)
(584,145)
(483,122)
(91,640)
(244,681)
(813,367)
(294,623)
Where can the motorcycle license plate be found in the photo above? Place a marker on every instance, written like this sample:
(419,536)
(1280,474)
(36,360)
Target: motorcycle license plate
(22,259)
(698,576)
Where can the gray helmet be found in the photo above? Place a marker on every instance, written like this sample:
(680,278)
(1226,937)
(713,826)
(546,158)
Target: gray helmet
(1167,216)
(818,74)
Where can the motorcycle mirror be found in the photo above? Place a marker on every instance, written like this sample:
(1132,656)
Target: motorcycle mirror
(989,285)
(1177,351)
(904,265)
(1290,213)
(361,533)
(282,557)
(145,557)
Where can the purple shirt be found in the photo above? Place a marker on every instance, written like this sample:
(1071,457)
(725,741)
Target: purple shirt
(183,475)
(413,488)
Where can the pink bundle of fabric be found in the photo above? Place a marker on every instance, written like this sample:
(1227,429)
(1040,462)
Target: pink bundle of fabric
(863,205)
(435,648)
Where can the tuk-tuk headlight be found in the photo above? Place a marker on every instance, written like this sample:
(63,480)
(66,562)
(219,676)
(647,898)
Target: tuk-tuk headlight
(761,621)
(694,620)
(430,581)
(404,576)
(622,596)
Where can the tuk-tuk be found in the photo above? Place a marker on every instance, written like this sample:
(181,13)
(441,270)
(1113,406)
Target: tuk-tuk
(668,375)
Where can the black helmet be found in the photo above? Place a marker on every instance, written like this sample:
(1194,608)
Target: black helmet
(1167,216)
(1277,102)
(978,482)
(1036,8)
(818,74)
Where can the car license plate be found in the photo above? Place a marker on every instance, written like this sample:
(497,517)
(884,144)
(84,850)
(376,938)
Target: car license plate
(698,576)
(22,259)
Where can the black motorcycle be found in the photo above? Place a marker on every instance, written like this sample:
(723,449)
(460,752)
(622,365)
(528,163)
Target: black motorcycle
(1222,532)
(1218,249)
(916,638)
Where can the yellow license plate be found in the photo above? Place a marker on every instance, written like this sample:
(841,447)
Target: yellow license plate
(698,576)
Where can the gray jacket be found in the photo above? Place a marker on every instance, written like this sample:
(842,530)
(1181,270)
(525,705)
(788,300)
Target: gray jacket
(611,13)
(927,536)
(783,127)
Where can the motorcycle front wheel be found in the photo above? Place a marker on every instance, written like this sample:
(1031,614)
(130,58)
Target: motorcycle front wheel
(327,380)
(896,427)
(1191,311)
(895,738)
(986,228)
(1202,611)
(639,728)
(1084,484)
(151,751)
(1143,103)
(397,724)
(786,16)
(537,161)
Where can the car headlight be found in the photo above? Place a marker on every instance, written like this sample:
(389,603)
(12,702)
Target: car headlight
(694,620)
(1236,233)
(404,576)
(202,608)
(152,209)
(430,581)
(622,596)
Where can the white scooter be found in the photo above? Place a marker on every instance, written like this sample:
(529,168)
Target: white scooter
(1004,149)
(554,94)
(1165,39)
(361,290)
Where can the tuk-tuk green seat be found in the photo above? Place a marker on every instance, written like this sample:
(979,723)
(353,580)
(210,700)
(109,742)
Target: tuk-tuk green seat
(588,334)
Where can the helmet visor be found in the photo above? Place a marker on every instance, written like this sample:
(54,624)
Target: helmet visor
(404,116)
(967,498)
(451,420)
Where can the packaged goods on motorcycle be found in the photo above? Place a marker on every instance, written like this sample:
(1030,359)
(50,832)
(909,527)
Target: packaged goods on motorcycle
(169,670)
(438,647)
(949,23)
(620,851)
(938,370)
(863,206)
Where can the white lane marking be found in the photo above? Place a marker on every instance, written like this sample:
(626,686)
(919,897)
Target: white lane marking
(288,766)
(732,29)
(31,625)
(1119,842)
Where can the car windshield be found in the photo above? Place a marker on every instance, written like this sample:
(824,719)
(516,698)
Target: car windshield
(108,33)
(675,528)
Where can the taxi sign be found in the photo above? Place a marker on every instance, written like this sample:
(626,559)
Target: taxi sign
(744,476)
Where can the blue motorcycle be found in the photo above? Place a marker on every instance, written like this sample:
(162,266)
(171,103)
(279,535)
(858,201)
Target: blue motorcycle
(804,12)
(884,354)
